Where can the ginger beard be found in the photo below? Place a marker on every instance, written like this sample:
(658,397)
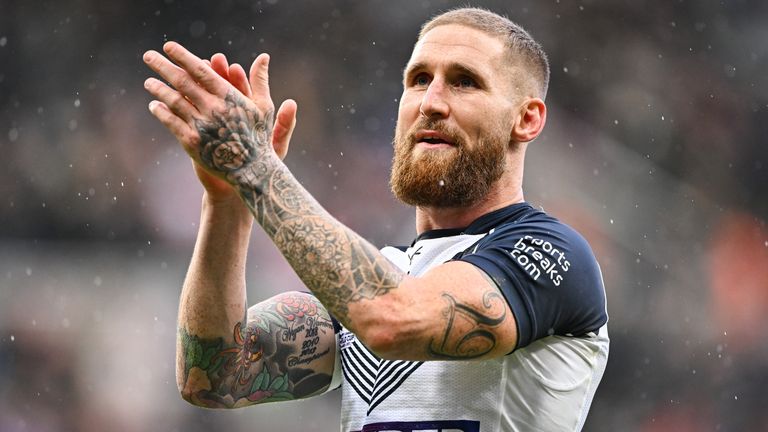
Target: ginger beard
(451,177)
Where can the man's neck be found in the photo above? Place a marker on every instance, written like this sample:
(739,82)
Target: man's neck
(431,218)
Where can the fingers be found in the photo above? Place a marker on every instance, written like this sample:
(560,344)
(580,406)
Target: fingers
(196,67)
(259,79)
(194,78)
(177,77)
(285,123)
(239,79)
(220,65)
(183,132)
(233,73)
(172,99)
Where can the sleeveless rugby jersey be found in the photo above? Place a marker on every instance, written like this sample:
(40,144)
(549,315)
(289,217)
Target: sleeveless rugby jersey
(552,282)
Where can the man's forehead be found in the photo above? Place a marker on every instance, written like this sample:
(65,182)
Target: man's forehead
(453,42)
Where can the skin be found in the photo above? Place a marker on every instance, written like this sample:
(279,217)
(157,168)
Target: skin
(470,109)
(225,123)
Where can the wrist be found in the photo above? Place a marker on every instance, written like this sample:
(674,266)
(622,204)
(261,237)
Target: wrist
(252,178)
(230,206)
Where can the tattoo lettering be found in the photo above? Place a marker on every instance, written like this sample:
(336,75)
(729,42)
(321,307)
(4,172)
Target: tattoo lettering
(265,361)
(468,332)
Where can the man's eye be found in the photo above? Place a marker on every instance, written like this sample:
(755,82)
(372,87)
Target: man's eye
(466,82)
(421,80)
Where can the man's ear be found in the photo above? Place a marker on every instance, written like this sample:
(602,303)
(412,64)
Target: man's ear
(530,120)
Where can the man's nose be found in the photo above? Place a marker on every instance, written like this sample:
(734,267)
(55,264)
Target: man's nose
(434,103)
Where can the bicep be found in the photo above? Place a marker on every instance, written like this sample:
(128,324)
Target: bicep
(285,351)
(464,314)
(297,339)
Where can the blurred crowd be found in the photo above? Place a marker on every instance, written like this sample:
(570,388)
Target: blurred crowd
(654,150)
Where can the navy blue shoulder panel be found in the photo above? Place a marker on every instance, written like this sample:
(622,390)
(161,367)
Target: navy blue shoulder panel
(548,274)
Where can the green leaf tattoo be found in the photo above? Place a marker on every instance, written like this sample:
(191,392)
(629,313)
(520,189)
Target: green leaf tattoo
(281,354)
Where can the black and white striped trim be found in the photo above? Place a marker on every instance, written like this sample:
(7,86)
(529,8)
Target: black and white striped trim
(372,378)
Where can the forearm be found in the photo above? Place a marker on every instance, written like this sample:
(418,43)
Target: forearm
(335,263)
(213,298)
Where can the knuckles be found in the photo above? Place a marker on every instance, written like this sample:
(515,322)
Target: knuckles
(185,84)
(191,141)
(203,71)
(177,101)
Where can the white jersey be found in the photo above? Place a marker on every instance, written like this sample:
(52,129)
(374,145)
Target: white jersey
(545,385)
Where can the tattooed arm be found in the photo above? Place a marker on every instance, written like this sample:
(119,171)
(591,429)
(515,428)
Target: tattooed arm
(452,312)
(284,349)
(213,330)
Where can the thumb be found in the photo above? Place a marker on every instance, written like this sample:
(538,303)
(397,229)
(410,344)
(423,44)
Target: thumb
(285,123)
(259,79)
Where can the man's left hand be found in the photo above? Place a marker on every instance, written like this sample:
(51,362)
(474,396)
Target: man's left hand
(219,127)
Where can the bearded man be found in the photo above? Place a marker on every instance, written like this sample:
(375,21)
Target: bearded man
(494,319)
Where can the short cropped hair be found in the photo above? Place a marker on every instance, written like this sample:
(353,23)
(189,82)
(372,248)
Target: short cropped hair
(523,49)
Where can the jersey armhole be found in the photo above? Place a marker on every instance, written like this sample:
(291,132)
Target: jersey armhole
(337,375)
(337,372)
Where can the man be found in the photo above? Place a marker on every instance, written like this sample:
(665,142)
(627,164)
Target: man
(492,320)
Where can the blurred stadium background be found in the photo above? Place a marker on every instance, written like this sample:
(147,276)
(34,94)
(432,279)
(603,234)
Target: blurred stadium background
(655,149)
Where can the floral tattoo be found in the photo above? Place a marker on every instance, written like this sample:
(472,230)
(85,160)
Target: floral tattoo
(274,358)
(336,264)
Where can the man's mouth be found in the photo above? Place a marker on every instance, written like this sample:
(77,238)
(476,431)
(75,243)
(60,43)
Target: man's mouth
(433,138)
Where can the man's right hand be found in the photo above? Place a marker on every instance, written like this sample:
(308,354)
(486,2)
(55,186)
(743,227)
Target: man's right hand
(216,189)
